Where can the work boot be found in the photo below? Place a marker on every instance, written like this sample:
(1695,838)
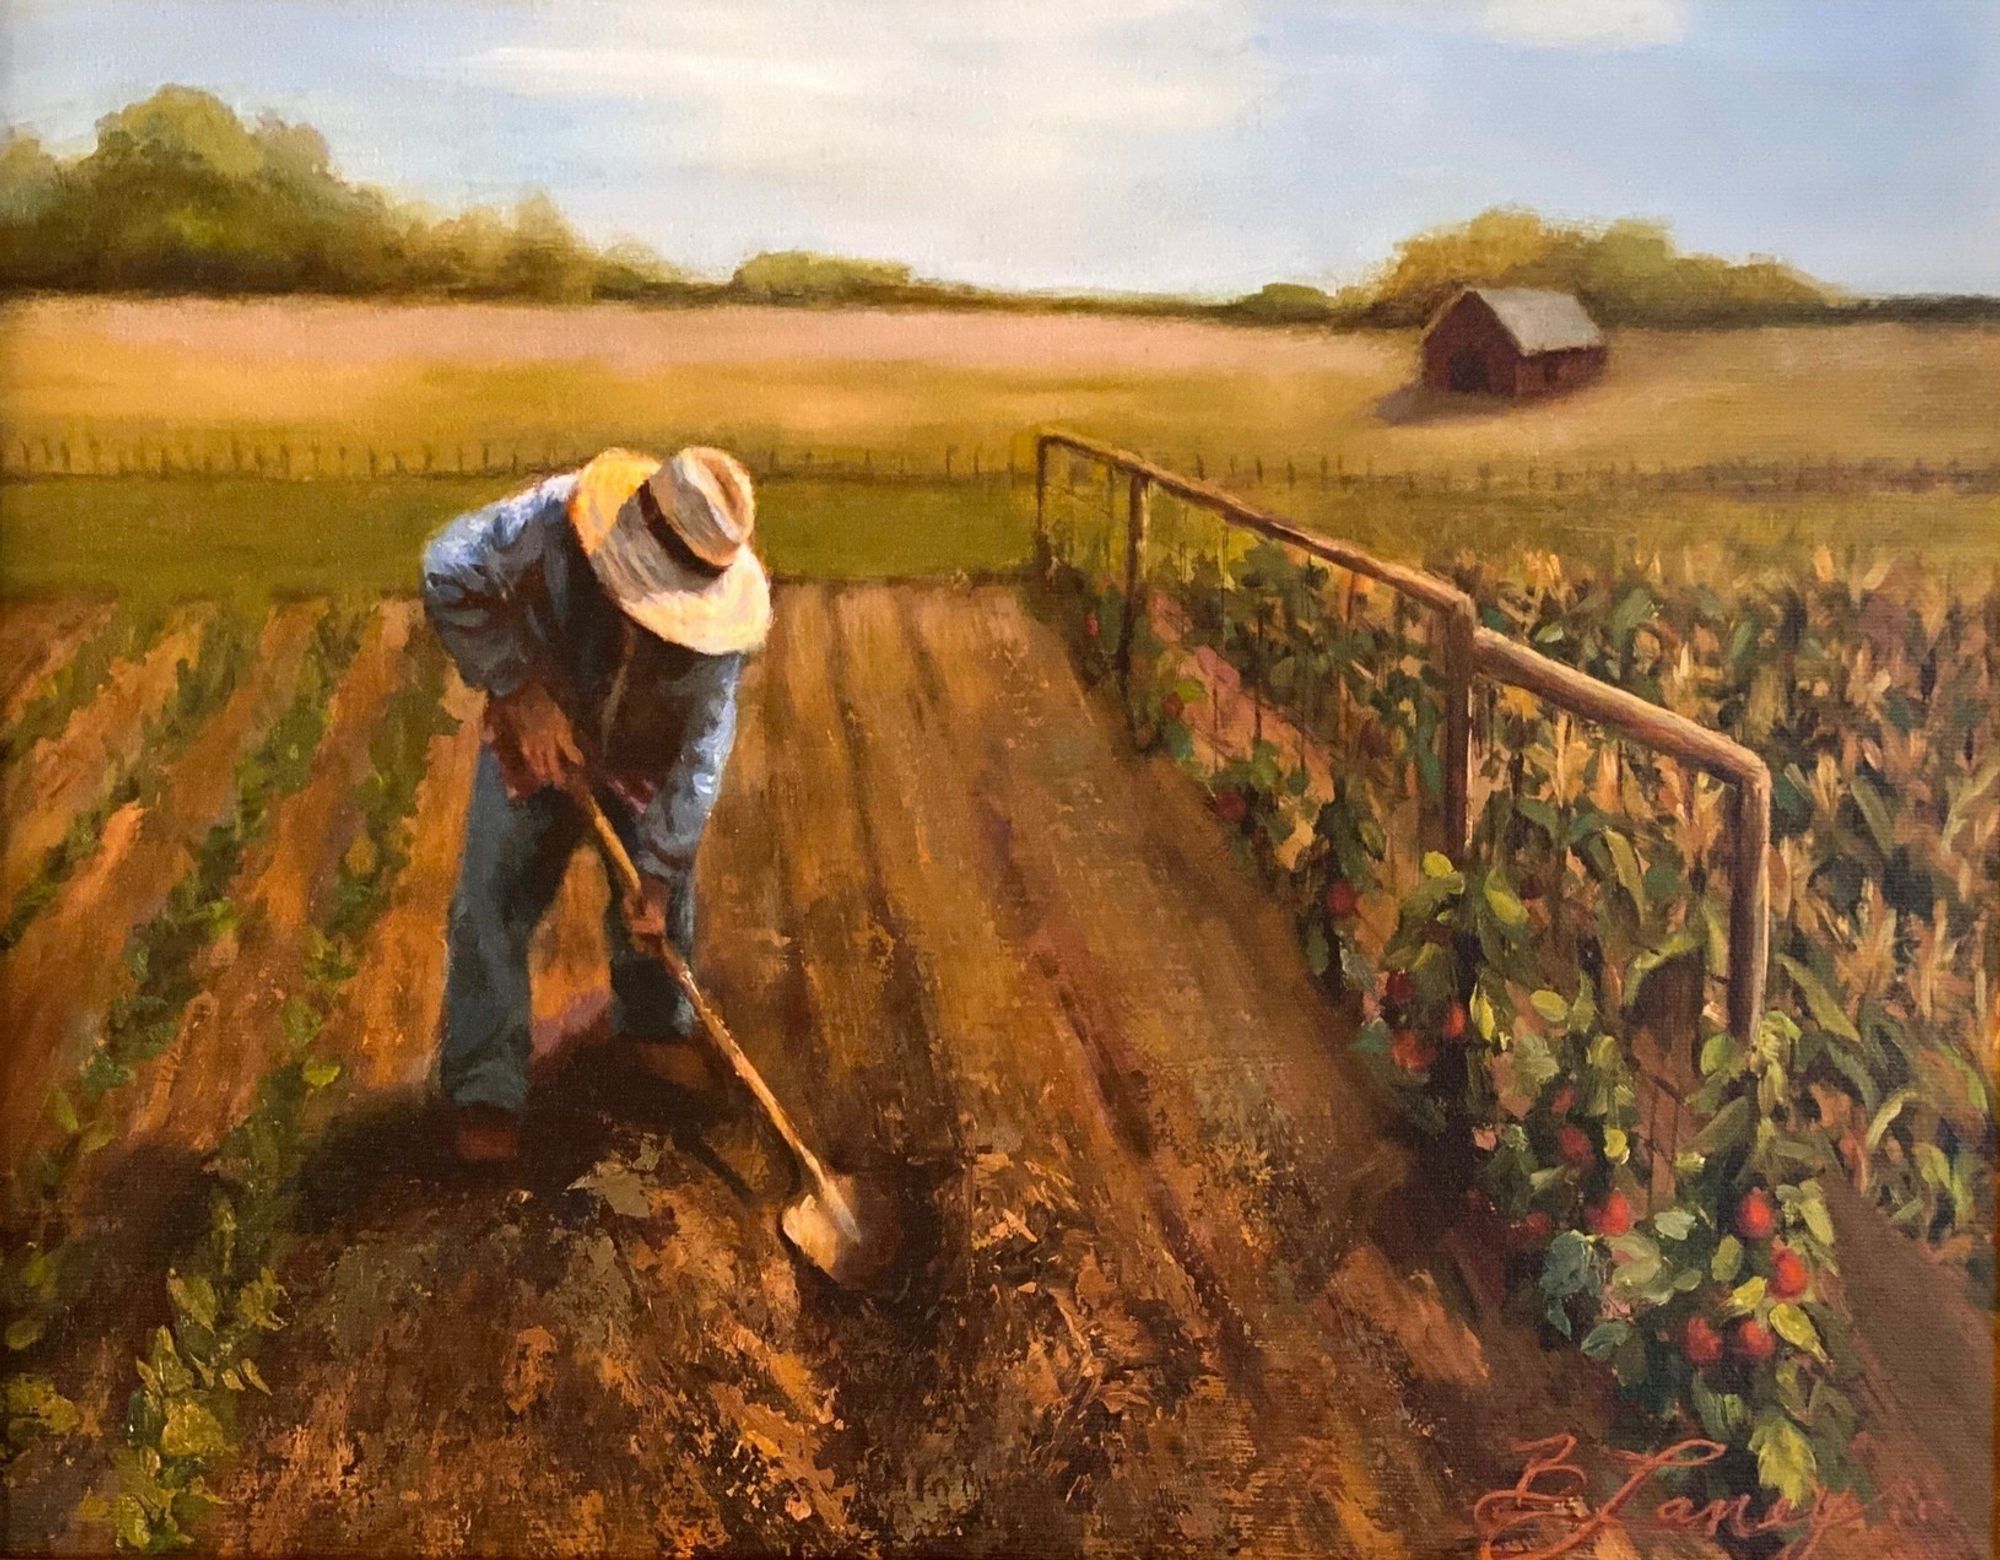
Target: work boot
(485,1135)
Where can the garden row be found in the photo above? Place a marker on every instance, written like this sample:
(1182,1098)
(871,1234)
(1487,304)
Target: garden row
(248,858)
(1541,999)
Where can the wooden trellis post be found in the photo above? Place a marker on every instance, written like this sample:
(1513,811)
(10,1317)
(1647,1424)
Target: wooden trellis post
(1138,492)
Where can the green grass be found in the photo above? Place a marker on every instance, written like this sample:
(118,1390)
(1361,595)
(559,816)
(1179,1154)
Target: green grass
(248,537)
(151,540)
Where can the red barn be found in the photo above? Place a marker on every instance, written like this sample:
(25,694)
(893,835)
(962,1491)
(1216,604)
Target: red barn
(1517,341)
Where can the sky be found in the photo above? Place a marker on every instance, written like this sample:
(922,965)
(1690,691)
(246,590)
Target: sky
(1192,145)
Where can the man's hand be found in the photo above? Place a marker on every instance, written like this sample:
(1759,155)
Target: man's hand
(646,919)
(533,726)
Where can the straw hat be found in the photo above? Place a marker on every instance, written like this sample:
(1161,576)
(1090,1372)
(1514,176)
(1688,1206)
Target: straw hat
(670,543)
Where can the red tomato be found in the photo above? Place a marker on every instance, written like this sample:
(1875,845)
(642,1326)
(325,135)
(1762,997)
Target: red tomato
(1701,1343)
(1756,1215)
(1573,1147)
(1789,1274)
(1341,899)
(1613,1216)
(1753,1341)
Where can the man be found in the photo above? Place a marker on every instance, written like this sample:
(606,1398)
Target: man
(606,613)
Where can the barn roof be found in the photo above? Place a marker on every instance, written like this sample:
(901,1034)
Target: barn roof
(1537,319)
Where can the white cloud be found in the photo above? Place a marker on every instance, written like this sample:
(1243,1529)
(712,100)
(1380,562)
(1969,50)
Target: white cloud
(1569,24)
(1028,137)
(1618,24)
(895,92)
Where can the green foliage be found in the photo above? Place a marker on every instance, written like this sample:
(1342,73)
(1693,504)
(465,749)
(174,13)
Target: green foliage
(179,194)
(201,686)
(1626,273)
(45,1270)
(1501,998)
(226,1294)
(127,633)
(800,276)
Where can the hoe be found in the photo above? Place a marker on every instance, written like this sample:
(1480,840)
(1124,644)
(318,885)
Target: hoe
(836,1222)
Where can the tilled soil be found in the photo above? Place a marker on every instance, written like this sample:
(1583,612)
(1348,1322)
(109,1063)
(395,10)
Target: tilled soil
(1020,978)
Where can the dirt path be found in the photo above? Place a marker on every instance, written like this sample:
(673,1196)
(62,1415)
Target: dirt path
(66,970)
(66,773)
(37,637)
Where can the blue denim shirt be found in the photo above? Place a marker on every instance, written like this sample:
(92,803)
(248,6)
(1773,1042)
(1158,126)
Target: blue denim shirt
(512,596)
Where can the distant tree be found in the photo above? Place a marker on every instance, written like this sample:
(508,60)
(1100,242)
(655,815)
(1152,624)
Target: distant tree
(1628,272)
(801,276)
(180,194)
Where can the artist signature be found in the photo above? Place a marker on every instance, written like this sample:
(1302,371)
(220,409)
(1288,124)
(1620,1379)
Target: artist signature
(1546,1513)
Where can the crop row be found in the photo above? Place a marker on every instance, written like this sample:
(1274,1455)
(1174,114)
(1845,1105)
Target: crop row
(46,1270)
(1541,1004)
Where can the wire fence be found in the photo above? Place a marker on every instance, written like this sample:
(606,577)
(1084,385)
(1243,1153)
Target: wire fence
(89,455)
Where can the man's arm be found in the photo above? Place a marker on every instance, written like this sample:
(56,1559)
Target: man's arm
(671,826)
(473,571)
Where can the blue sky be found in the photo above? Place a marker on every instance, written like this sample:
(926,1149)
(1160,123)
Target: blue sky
(1208,145)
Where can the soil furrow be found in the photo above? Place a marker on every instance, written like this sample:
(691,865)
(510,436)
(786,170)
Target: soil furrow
(204,1083)
(66,773)
(1145,993)
(384,1027)
(38,638)
(66,971)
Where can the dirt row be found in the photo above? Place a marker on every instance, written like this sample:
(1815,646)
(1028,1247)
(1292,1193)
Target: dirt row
(1140,1315)
(64,974)
(67,773)
(36,639)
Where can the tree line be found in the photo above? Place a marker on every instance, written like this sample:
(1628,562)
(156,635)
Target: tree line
(181,195)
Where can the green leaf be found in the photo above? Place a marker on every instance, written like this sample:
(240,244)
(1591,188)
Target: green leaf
(1509,910)
(1626,860)
(319,1074)
(1873,810)
(192,1431)
(1728,1260)
(1796,1328)
(63,1113)
(129,1520)
(194,1298)
(1724,1415)
(1674,1223)
(33,1400)
(254,1376)
(1826,1009)
(1550,1005)
(1437,864)
(1567,1265)
(1717,1052)
(23,1331)
(1884,1118)
(1604,1340)
(1728,1128)
(1785,1461)
(1483,1016)
(1617,1148)
(1747,1295)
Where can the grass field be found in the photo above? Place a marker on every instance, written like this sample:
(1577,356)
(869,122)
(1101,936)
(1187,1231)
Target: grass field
(405,376)
(143,538)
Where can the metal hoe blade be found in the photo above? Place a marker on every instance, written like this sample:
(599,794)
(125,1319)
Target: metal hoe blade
(839,1224)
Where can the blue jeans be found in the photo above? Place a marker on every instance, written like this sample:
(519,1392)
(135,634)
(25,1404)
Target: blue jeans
(515,855)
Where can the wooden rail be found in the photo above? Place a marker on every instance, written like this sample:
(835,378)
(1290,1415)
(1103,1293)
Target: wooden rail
(1470,652)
